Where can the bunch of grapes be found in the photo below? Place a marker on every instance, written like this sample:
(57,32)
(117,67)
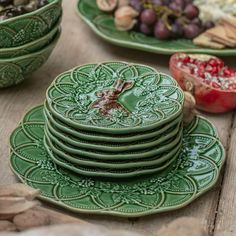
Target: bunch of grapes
(167,19)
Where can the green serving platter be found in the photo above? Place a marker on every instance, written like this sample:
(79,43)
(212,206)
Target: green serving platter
(119,147)
(103,25)
(115,98)
(109,138)
(194,172)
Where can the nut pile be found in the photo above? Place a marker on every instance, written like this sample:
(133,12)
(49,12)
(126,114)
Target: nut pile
(12,8)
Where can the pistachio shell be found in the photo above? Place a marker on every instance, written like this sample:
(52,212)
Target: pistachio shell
(20,2)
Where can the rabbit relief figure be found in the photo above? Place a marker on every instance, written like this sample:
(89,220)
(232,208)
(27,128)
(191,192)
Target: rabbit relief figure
(108,99)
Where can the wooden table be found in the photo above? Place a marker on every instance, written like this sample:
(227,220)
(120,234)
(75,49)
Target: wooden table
(78,45)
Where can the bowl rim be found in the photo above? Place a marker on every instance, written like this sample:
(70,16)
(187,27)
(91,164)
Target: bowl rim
(51,3)
(24,46)
(51,44)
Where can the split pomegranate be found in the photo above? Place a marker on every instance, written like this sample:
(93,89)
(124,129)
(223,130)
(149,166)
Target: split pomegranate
(212,83)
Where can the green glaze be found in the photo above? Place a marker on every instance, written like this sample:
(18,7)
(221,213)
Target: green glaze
(103,25)
(31,47)
(101,155)
(194,172)
(110,173)
(108,147)
(112,164)
(83,98)
(25,28)
(109,138)
(13,71)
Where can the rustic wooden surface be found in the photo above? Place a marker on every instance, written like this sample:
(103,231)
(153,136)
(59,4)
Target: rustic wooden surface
(78,45)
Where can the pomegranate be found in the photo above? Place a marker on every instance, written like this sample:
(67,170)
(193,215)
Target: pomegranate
(211,82)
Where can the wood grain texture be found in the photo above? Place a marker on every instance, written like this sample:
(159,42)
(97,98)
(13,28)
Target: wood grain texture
(78,45)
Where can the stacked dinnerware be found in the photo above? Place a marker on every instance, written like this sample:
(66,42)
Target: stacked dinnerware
(29,31)
(114,120)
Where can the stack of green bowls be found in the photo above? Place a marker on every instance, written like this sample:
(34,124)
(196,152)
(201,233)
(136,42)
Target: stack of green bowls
(114,120)
(26,42)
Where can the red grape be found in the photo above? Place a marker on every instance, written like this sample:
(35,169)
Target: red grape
(191,11)
(161,31)
(191,31)
(136,4)
(146,29)
(148,16)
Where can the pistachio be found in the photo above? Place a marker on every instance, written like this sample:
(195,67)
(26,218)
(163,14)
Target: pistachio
(125,18)
(107,5)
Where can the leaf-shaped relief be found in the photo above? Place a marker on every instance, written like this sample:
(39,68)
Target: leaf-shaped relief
(215,153)
(82,73)
(128,71)
(20,165)
(199,143)
(203,126)
(34,115)
(206,180)
(6,35)
(33,130)
(51,15)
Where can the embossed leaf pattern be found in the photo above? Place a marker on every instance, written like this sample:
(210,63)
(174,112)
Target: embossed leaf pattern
(151,93)
(193,172)
(17,32)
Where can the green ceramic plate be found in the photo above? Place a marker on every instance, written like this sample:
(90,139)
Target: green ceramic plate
(114,147)
(109,138)
(114,97)
(103,25)
(102,155)
(194,172)
(113,164)
(109,173)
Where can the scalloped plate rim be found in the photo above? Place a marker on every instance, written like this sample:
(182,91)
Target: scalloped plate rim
(150,48)
(119,214)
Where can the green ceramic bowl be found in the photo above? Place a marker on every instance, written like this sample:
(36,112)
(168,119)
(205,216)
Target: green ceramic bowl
(23,29)
(14,71)
(30,47)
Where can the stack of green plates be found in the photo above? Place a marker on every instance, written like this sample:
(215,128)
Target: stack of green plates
(113,120)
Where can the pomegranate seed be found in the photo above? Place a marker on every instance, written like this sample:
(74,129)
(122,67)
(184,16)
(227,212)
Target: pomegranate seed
(227,71)
(215,85)
(186,59)
(208,68)
(213,62)
(232,87)
(215,70)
